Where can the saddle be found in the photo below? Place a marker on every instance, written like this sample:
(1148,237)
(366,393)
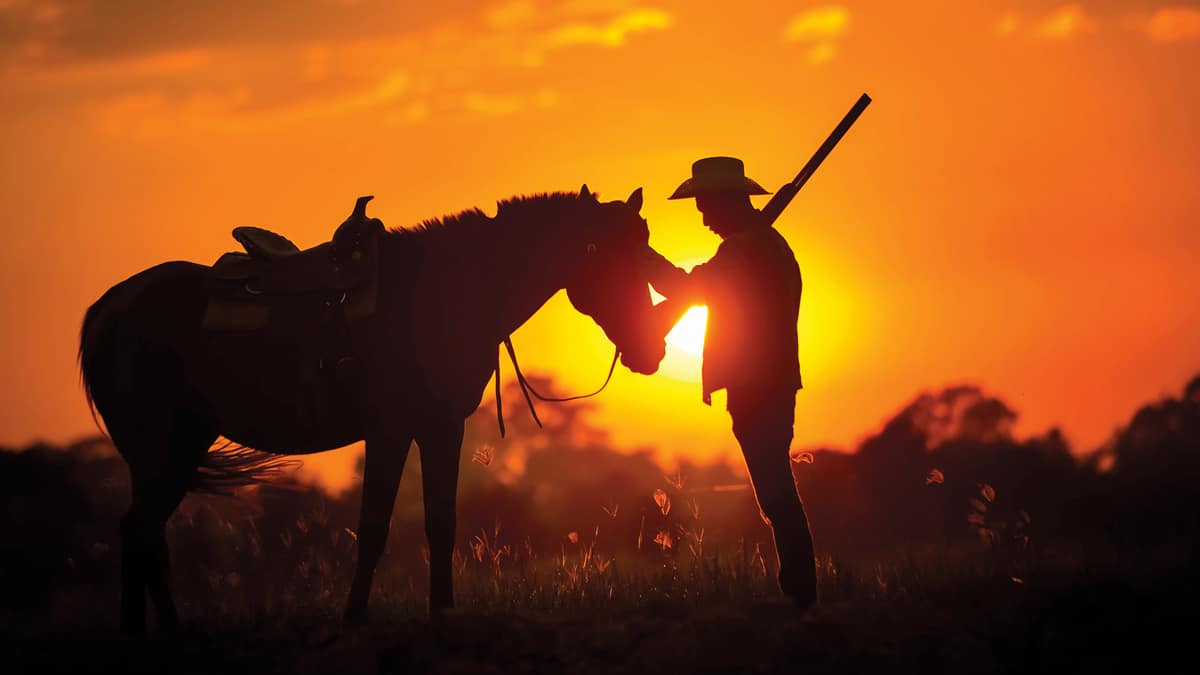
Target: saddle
(339,276)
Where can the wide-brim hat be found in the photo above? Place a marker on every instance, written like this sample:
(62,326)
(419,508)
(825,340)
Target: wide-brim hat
(713,175)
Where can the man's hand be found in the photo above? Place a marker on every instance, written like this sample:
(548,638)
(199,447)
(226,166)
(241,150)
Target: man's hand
(666,278)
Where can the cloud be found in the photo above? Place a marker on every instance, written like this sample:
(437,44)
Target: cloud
(822,52)
(417,111)
(87,30)
(507,104)
(511,14)
(819,28)
(818,23)
(1008,24)
(403,74)
(1062,23)
(1172,24)
(1065,22)
(611,33)
(50,32)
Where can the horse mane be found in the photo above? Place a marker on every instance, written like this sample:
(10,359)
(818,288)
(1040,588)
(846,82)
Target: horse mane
(522,208)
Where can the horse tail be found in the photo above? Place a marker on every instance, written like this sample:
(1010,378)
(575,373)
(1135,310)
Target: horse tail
(229,466)
(107,354)
(97,346)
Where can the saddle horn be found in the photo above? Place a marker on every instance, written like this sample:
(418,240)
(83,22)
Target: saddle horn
(360,208)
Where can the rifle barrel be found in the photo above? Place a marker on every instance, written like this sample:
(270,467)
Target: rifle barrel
(785,194)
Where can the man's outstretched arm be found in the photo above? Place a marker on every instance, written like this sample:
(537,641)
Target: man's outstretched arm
(665,277)
(683,290)
(677,285)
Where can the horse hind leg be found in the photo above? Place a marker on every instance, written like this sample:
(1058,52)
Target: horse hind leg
(158,488)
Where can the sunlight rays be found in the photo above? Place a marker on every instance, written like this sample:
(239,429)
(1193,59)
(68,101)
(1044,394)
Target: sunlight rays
(688,333)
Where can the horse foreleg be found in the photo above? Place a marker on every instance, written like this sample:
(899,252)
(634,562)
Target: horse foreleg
(382,469)
(440,446)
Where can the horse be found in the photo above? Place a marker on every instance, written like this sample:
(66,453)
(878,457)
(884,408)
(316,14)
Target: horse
(449,292)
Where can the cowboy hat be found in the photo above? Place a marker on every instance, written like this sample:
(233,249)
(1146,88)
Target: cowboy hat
(717,174)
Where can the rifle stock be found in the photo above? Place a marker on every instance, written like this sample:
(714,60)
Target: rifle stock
(784,195)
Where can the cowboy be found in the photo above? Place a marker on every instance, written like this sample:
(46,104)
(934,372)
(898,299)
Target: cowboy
(752,290)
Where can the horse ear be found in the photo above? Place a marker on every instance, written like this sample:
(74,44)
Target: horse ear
(635,201)
(584,193)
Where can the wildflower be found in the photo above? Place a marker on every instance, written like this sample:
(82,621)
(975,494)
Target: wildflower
(697,547)
(802,457)
(664,539)
(758,560)
(988,492)
(483,455)
(935,477)
(663,501)
(573,537)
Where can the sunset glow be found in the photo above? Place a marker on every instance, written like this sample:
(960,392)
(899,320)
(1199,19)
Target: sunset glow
(1017,209)
(688,333)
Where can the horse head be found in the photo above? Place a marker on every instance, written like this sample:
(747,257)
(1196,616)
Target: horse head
(608,284)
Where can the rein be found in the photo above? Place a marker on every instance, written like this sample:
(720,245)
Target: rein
(527,388)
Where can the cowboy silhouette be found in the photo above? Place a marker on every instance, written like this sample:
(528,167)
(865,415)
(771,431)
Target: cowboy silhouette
(752,289)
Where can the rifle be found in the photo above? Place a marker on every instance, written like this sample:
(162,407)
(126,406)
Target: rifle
(784,196)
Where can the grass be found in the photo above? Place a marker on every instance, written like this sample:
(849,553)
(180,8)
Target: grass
(661,589)
(582,611)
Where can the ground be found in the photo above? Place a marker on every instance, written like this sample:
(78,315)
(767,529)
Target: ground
(1101,624)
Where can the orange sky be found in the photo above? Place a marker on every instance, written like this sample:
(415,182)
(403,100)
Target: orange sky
(1018,208)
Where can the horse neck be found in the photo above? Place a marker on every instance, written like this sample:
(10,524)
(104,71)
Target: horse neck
(500,271)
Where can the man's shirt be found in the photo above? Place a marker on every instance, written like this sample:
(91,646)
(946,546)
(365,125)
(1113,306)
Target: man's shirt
(752,288)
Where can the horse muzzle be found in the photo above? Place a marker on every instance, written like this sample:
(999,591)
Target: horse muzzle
(645,359)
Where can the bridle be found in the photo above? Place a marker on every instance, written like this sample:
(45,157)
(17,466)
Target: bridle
(527,388)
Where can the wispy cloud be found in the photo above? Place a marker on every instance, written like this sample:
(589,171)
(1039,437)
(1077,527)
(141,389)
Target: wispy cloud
(818,28)
(1172,24)
(1062,23)
(611,33)
(458,66)
(1008,24)
(511,15)
(507,104)
(1065,22)
(818,23)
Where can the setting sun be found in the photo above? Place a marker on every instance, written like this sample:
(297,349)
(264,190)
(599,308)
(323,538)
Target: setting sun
(688,334)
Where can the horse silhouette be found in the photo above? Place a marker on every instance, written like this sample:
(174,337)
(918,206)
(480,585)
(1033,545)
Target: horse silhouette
(449,292)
